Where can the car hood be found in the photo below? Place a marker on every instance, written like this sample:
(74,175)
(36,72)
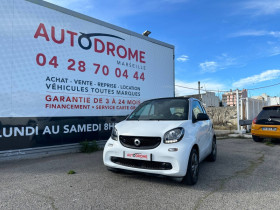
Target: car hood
(146,128)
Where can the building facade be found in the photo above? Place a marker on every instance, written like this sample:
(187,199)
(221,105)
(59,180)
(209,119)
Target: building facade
(229,98)
(270,100)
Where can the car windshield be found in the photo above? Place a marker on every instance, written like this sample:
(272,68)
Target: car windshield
(161,109)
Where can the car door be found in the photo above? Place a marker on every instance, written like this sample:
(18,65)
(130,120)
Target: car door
(208,134)
(202,129)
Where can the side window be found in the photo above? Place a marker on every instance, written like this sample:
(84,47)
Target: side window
(196,108)
(202,108)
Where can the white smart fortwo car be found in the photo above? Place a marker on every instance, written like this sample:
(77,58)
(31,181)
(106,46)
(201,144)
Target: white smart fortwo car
(166,136)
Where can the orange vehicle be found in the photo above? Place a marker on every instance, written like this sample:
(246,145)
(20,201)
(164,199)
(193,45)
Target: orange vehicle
(266,124)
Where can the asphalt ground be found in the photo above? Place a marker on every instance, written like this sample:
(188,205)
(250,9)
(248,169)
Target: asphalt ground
(246,175)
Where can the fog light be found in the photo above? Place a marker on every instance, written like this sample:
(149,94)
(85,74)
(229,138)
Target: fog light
(173,149)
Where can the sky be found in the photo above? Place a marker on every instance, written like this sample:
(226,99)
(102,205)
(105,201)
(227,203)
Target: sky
(223,44)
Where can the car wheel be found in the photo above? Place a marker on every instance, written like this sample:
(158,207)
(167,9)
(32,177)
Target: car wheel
(213,155)
(177,179)
(257,139)
(115,170)
(193,168)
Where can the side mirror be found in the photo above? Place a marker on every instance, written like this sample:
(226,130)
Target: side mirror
(201,117)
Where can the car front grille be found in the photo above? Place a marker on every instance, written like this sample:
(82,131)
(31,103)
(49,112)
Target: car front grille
(152,165)
(143,142)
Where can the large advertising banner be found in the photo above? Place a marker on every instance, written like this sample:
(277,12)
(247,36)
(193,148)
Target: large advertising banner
(61,72)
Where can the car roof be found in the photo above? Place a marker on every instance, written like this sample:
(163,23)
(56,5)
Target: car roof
(271,106)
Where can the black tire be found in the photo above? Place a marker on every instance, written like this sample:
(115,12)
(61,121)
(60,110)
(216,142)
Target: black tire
(114,170)
(213,155)
(177,179)
(193,168)
(257,139)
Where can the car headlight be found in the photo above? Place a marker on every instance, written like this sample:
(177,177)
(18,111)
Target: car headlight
(173,136)
(114,134)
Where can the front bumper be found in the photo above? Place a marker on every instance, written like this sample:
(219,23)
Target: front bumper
(159,163)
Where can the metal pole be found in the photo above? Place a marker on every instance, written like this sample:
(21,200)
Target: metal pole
(241,100)
(237,107)
(199,90)
(248,127)
(247,108)
(253,109)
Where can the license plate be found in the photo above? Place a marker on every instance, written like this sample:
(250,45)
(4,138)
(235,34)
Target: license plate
(137,155)
(269,129)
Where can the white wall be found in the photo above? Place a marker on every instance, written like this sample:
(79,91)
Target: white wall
(273,101)
(210,99)
(254,107)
